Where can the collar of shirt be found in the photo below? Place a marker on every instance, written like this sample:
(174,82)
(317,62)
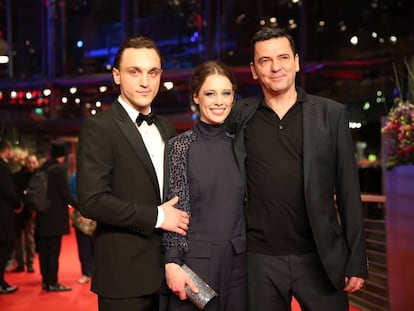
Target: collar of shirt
(152,140)
(132,113)
(301,97)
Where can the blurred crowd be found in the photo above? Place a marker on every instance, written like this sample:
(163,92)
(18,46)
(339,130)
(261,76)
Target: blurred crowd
(25,230)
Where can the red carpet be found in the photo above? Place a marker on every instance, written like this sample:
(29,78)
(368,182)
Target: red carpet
(31,297)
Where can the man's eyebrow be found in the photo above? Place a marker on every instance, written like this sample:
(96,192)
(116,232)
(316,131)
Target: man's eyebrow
(269,57)
(141,69)
(263,57)
(134,67)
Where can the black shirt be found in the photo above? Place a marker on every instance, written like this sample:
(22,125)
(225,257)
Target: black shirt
(277,220)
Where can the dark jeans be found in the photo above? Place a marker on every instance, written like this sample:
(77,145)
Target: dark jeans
(272,280)
(85,250)
(49,251)
(25,244)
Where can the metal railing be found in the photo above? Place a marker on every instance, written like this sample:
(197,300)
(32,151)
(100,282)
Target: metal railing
(374,295)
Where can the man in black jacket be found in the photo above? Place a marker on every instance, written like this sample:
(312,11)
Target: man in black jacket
(54,222)
(122,180)
(296,154)
(9,205)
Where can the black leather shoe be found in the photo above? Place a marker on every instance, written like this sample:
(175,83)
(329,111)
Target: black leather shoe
(30,269)
(56,288)
(18,269)
(8,289)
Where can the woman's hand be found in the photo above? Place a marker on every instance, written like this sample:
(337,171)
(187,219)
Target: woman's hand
(177,279)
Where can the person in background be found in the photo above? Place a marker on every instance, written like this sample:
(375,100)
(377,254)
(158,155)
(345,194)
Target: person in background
(296,154)
(85,242)
(122,181)
(10,204)
(25,243)
(205,177)
(52,224)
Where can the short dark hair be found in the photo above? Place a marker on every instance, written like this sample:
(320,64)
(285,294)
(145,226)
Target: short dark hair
(135,43)
(267,33)
(207,69)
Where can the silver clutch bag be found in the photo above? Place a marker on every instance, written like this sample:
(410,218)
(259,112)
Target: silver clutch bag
(205,292)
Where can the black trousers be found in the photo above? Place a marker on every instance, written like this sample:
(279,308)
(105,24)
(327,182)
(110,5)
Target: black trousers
(49,251)
(273,280)
(146,303)
(6,248)
(85,249)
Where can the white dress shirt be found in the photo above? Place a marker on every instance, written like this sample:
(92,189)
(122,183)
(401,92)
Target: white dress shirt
(155,147)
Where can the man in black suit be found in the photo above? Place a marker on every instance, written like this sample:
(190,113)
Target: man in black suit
(122,181)
(9,206)
(296,154)
(53,223)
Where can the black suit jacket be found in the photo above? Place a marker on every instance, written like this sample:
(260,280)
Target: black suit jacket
(55,220)
(329,170)
(117,186)
(9,201)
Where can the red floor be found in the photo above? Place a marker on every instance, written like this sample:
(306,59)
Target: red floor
(31,297)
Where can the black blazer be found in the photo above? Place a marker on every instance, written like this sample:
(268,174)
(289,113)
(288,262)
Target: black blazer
(329,169)
(9,201)
(55,220)
(117,186)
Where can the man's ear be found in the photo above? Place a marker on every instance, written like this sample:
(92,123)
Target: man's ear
(253,70)
(116,76)
(297,62)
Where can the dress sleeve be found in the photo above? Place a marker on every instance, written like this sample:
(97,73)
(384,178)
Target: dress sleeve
(178,150)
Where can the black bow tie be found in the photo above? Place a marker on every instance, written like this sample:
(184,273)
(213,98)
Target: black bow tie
(149,118)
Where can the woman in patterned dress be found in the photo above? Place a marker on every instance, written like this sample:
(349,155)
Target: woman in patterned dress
(205,177)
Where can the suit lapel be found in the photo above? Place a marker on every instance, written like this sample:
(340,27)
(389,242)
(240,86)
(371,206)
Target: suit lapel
(309,139)
(134,138)
(165,137)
